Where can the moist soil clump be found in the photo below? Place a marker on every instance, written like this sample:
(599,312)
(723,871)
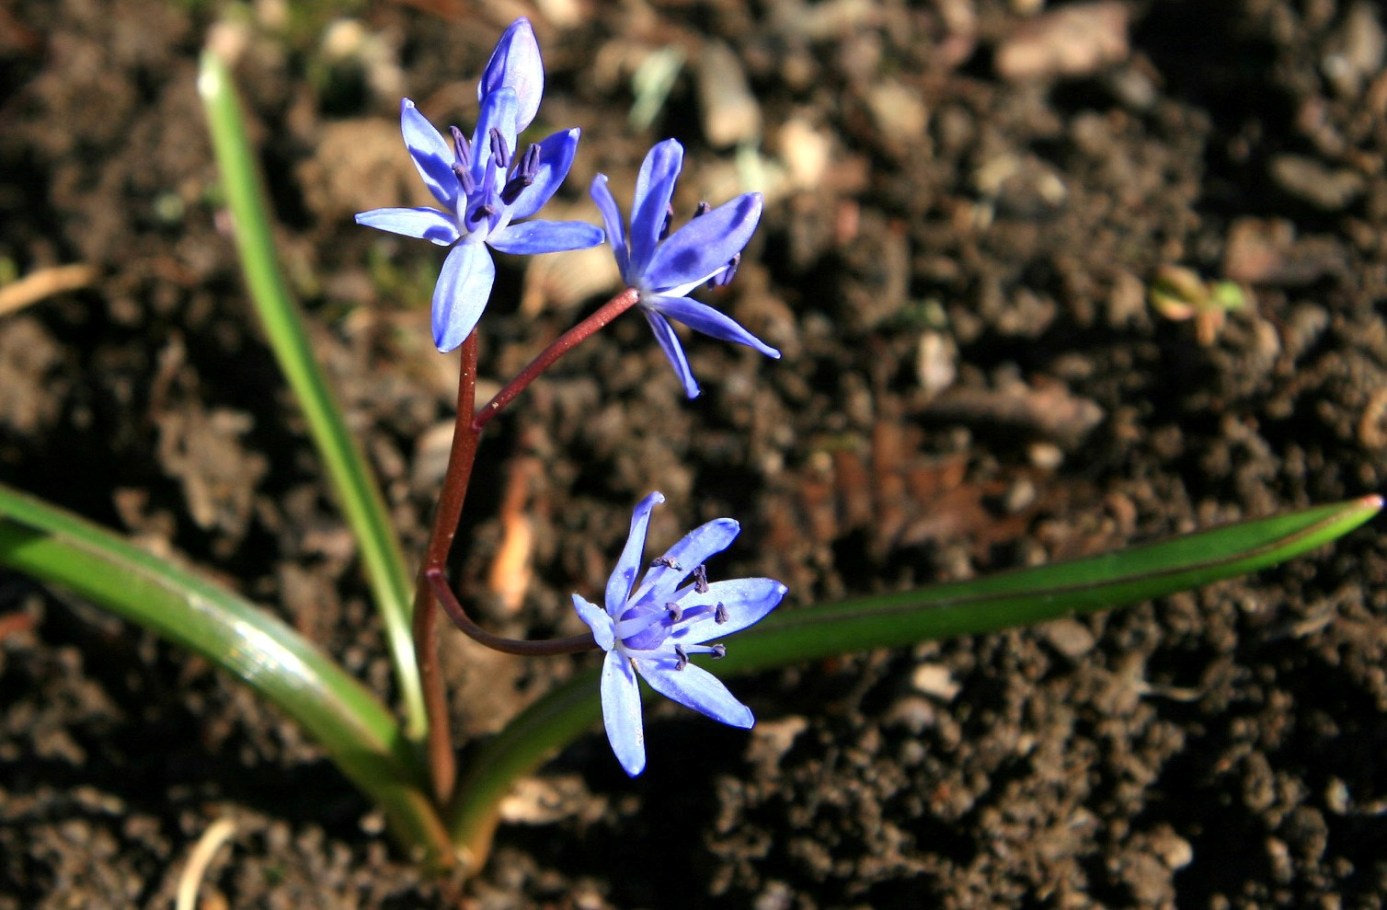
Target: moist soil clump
(967,203)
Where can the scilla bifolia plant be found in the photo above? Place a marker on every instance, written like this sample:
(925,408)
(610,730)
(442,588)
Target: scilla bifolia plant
(658,618)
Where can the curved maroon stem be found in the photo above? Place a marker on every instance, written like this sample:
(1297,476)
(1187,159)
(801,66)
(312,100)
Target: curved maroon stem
(432,584)
(573,644)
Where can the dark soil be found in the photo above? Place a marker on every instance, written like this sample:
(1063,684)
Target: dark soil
(967,201)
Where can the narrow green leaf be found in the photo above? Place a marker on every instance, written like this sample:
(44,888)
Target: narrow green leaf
(898,620)
(356,730)
(356,487)
(1028,596)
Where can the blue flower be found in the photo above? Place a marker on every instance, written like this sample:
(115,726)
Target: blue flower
(485,187)
(653,628)
(664,269)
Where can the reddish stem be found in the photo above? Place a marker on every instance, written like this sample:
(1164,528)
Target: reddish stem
(432,585)
(462,455)
(557,348)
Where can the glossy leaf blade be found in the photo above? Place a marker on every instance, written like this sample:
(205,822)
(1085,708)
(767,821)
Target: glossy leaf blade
(1027,596)
(356,730)
(351,478)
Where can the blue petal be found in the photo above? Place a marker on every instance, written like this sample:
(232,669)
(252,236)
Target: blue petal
(515,64)
(694,548)
(498,112)
(703,247)
(545,237)
(702,318)
(432,156)
(423,223)
(748,601)
(624,575)
(694,687)
(555,158)
(603,629)
(616,229)
(654,188)
(461,294)
(621,712)
(669,342)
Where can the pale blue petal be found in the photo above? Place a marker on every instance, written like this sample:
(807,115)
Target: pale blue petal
(694,548)
(694,687)
(423,223)
(627,567)
(432,156)
(616,229)
(654,189)
(621,712)
(498,112)
(702,318)
(603,629)
(748,601)
(555,158)
(704,246)
(515,64)
(464,286)
(669,343)
(545,237)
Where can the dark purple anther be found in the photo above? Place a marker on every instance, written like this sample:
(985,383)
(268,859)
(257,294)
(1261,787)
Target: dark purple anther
(524,176)
(666,561)
(719,652)
(500,152)
(676,612)
(669,220)
(720,614)
(462,149)
(681,657)
(724,278)
(481,212)
(700,575)
(702,209)
(462,161)
(529,165)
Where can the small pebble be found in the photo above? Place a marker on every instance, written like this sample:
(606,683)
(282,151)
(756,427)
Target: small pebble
(1072,41)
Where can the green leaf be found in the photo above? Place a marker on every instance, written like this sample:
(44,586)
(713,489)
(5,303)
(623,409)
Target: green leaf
(357,731)
(898,620)
(356,487)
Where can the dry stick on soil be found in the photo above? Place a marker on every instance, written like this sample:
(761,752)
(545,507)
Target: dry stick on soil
(35,286)
(218,833)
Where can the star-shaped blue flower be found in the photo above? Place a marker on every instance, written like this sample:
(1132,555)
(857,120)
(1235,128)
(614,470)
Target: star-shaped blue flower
(485,186)
(664,269)
(653,628)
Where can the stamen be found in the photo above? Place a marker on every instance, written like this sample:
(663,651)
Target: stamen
(462,161)
(669,219)
(676,612)
(462,149)
(500,152)
(529,165)
(485,210)
(525,173)
(700,575)
(724,278)
(681,657)
(702,209)
(720,613)
(719,652)
(667,561)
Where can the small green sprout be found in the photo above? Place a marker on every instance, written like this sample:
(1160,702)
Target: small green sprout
(1178,294)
